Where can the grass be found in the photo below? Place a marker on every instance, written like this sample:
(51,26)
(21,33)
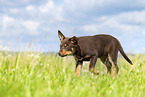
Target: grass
(31,74)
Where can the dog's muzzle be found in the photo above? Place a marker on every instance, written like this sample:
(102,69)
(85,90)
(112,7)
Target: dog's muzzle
(63,53)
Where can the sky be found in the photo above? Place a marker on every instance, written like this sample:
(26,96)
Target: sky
(34,24)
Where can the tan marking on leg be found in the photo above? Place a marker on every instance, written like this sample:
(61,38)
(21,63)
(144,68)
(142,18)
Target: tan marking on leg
(105,61)
(92,70)
(108,68)
(108,72)
(114,71)
(114,67)
(96,72)
(78,70)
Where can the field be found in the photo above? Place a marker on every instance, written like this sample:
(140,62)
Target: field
(31,74)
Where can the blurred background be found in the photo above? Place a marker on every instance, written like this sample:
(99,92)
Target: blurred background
(34,24)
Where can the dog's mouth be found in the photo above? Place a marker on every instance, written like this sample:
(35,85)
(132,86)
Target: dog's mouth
(64,53)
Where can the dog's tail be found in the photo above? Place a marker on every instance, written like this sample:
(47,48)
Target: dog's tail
(124,55)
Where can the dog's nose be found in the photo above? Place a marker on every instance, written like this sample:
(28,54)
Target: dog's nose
(60,53)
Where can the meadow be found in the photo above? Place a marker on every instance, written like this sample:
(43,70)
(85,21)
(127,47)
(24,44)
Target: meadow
(33,74)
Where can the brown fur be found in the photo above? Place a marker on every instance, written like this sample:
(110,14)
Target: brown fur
(89,48)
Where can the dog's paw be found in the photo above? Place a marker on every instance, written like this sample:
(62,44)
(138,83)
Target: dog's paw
(96,72)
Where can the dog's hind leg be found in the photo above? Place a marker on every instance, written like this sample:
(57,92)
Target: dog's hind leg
(105,61)
(113,61)
(92,65)
(112,56)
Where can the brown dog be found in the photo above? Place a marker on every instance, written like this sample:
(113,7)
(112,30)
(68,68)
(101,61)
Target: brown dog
(89,48)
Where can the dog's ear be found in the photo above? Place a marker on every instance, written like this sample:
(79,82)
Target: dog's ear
(61,36)
(74,40)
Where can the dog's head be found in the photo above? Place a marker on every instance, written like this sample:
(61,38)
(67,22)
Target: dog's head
(68,45)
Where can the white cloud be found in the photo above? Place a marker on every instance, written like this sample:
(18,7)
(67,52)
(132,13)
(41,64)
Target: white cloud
(6,20)
(47,7)
(127,23)
(101,7)
(30,8)
(14,10)
(143,32)
(89,17)
(11,26)
(32,27)
(19,3)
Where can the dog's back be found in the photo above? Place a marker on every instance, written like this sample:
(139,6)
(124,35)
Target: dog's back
(97,44)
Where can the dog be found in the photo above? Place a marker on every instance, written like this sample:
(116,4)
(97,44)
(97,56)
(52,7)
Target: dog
(89,48)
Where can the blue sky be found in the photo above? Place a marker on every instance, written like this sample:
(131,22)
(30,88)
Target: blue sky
(33,24)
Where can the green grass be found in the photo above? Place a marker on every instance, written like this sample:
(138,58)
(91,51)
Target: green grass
(33,74)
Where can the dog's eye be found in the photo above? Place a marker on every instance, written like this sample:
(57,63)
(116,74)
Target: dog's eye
(65,45)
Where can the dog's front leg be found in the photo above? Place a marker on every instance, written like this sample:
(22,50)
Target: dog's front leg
(78,67)
(92,65)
